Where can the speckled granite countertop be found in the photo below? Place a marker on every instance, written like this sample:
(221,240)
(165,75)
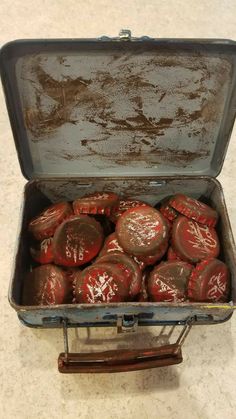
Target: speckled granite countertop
(204,385)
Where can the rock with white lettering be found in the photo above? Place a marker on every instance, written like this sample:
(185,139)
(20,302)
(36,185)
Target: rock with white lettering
(168,281)
(100,283)
(209,282)
(194,242)
(77,241)
(46,285)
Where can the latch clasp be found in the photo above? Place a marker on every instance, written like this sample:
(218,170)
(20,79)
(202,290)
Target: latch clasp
(125,35)
(127,323)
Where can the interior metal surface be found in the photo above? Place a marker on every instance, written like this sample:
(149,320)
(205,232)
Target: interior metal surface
(95,108)
(39,194)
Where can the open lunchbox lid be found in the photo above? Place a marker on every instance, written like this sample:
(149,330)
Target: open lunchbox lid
(120,106)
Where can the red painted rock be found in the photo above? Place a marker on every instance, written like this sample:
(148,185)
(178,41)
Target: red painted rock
(209,282)
(194,209)
(168,281)
(44,225)
(96,203)
(130,269)
(141,231)
(46,285)
(124,205)
(41,252)
(77,241)
(100,283)
(194,242)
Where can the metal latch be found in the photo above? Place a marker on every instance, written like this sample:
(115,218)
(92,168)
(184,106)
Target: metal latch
(125,35)
(127,323)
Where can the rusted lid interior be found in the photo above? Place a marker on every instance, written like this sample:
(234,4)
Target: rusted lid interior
(103,108)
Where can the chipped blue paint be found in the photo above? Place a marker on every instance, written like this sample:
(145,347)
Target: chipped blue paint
(148,315)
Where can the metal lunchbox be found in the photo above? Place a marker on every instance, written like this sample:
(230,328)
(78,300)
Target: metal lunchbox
(143,117)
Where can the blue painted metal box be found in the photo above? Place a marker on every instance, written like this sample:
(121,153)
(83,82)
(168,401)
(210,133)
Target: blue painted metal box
(145,118)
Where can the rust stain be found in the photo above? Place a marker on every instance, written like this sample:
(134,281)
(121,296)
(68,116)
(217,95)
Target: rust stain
(193,95)
(127,79)
(138,101)
(66,93)
(185,117)
(95,102)
(141,123)
(57,190)
(135,152)
(61,59)
(41,123)
(146,142)
(162,97)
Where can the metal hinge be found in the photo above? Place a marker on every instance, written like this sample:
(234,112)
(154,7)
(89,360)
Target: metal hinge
(125,35)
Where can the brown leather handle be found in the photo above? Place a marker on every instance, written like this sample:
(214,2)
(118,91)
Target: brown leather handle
(120,360)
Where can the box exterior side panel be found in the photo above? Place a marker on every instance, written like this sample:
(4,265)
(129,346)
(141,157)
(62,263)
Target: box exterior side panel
(38,194)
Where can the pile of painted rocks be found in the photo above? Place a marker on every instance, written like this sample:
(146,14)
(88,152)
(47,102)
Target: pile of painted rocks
(106,249)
